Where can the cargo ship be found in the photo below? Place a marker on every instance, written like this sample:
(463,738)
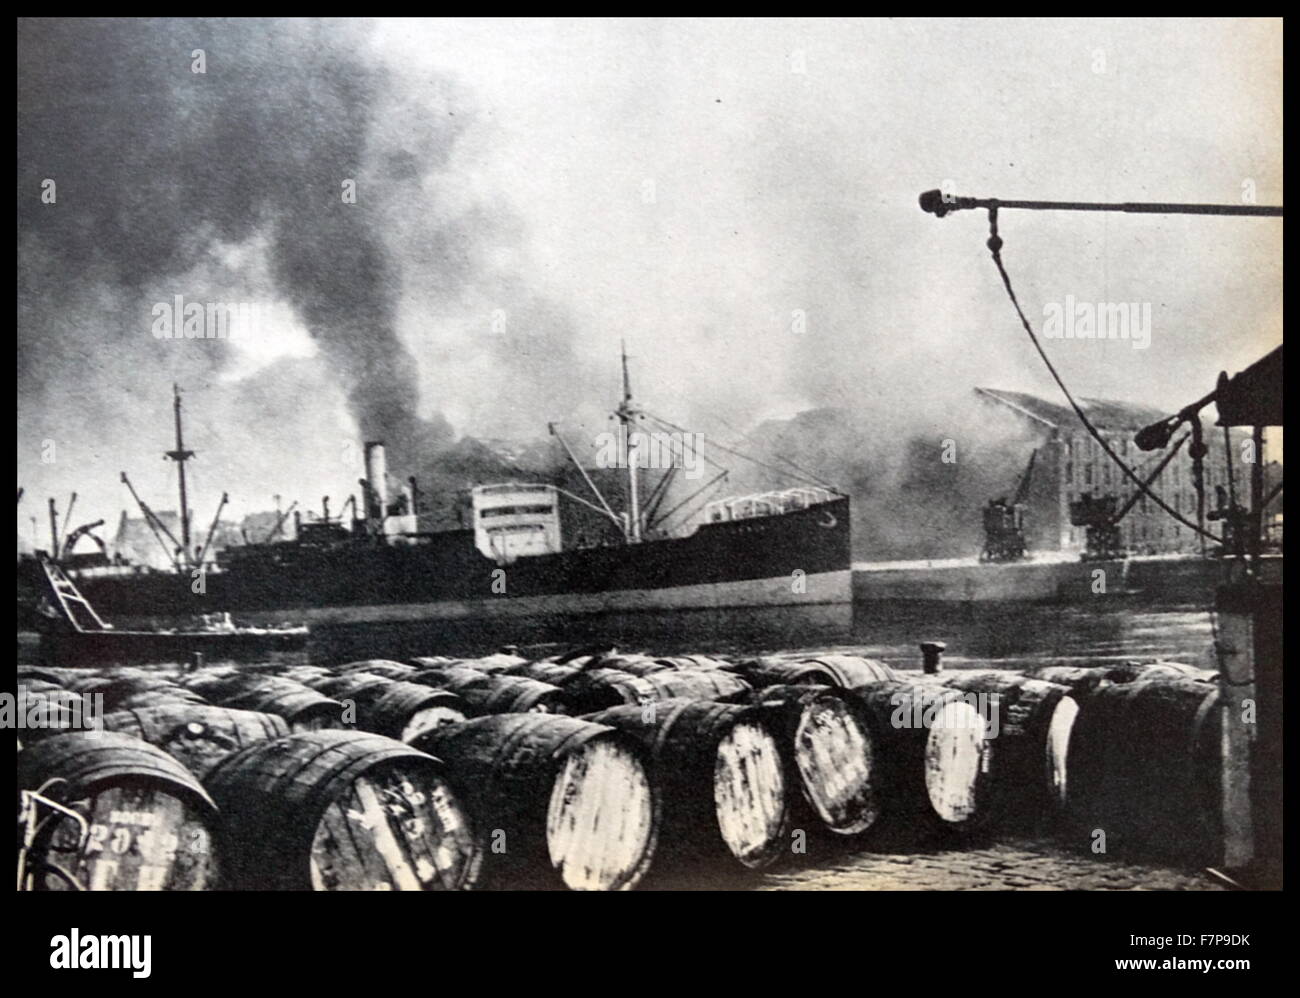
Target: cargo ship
(776,563)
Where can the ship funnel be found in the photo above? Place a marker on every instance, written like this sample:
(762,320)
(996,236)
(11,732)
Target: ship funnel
(377,477)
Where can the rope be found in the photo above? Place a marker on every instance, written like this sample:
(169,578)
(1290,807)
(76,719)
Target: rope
(780,457)
(740,454)
(995,248)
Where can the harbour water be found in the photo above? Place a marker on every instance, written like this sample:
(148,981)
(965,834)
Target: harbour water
(983,635)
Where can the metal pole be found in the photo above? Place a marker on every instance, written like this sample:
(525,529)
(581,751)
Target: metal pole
(1257,501)
(154,523)
(625,416)
(938,203)
(180,455)
(54,531)
(585,477)
(216,520)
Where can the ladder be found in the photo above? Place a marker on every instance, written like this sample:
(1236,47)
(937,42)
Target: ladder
(74,609)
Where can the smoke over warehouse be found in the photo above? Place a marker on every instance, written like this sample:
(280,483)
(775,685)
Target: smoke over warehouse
(518,211)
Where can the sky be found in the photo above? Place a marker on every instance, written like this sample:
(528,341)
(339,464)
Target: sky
(735,200)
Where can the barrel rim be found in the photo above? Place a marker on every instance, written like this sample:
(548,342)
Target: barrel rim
(153,765)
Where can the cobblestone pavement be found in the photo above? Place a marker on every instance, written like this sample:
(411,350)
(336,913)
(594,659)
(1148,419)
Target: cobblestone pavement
(1023,865)
(1011,863)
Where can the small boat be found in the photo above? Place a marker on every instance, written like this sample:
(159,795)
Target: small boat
(73,633)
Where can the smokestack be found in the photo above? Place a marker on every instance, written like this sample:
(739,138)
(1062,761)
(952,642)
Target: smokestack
(377,476)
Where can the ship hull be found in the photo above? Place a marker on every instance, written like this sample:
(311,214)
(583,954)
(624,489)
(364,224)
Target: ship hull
(775,575)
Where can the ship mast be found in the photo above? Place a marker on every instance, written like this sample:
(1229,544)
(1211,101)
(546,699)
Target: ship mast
(180,455)
(626,415)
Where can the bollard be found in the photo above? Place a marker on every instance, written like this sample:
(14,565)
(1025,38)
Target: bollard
(932,657)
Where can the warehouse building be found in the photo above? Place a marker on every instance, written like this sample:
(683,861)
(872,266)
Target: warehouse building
(1069,464)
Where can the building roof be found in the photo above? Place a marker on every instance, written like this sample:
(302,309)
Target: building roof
(1105,414)
(135,542)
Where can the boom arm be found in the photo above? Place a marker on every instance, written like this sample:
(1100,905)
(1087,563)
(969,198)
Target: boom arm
(1022,490)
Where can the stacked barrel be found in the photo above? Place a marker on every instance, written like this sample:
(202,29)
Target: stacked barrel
(592,770)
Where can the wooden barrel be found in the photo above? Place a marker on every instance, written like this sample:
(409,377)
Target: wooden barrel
(583,655)
(197,735)
(1085,680)
(446,675)
(131,692)
(557,801)
(150,824)
(157,697)
(380,667)
(829,752)
(1145,768)
(1029,747)
(1080,681)
(48,710)
(1137,672)
(610,688)
(390,707)
(500,662)
(349,685)
(694,663)
(785,672)
(407,711)
(592,689)
(301,706)
(572,661)
(847,671)
(201,680)
(114,672)
(933,755)
(40,687)
(636,665)
(672,684)
(432,661)
(719,778)
(50,674)
(341,810)
(851,671)
(91,682)
(304,674)
(485,693)
(589,659)
(554,673)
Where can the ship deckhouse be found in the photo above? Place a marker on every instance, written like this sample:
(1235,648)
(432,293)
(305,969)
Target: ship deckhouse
(516,520)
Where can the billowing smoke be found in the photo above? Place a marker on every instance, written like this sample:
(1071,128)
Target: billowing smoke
(295,169)
(155,163)
(528,194)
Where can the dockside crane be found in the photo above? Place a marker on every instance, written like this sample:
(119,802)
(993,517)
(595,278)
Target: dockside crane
(1004,523)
